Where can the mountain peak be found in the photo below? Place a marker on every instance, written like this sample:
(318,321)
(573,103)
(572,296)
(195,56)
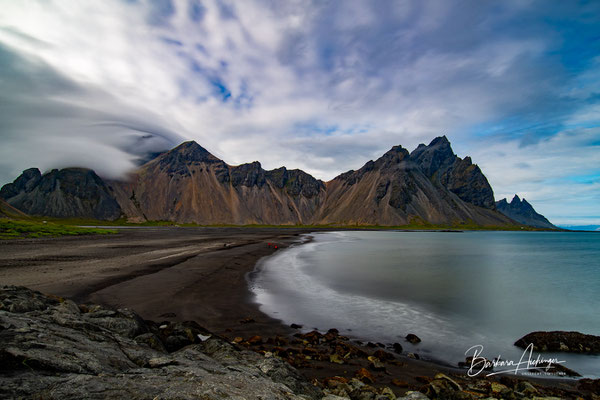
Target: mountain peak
(434,157)
(187,152)
(440,140)
(190,147)
(523,212)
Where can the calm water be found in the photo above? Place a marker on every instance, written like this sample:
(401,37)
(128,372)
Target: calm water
(454,290)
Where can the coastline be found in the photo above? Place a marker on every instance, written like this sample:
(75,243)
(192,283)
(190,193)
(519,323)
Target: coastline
(201,271)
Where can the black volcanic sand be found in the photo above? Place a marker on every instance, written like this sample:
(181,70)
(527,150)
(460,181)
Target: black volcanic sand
(199,274)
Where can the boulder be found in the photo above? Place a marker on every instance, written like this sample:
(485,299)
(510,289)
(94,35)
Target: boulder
(561,341)
(412,338)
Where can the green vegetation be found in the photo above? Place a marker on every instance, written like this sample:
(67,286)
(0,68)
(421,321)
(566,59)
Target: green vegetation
(15,229)
(415,224)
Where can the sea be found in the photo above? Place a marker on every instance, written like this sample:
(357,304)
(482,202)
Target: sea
(457,291)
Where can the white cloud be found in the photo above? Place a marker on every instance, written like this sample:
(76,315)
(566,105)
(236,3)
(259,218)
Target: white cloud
(380,74)
(559,171)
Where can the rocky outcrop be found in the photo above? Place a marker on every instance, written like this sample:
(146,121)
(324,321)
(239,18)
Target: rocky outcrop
(66,193)
(523,212)
(188,184)
(561,341)
(54,349)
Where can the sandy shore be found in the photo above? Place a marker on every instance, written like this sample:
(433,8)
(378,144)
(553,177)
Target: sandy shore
(178,274)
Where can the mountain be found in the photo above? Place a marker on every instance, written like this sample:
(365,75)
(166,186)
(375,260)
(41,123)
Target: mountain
(70,192)
(431,184)
(189,184)
(523,212)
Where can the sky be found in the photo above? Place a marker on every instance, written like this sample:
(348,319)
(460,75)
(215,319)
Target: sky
(323,86)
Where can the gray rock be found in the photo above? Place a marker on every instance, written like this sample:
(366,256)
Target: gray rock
(50,349)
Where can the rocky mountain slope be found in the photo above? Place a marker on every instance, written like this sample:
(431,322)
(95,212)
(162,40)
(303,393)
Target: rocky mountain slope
(189,184)
(70,192)
(523,212)
(8,211)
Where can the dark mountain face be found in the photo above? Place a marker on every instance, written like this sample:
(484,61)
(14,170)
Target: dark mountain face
(189,184)
(463,178)
(523,212)
(70,192)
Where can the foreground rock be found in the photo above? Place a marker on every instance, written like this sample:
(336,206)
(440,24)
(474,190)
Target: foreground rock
(52,348)
(571,342)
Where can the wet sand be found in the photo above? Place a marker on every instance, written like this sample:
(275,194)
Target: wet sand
(178,274)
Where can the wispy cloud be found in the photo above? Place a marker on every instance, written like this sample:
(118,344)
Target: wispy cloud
(322,86)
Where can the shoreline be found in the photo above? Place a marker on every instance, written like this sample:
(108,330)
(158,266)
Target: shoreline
(414,369)
(202,272)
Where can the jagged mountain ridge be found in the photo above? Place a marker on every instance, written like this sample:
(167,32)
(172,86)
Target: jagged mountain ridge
(66,193)
(523,212)
(189,184)
(402,188)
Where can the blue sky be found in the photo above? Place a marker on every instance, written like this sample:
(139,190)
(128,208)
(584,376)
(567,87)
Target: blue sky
(323,86)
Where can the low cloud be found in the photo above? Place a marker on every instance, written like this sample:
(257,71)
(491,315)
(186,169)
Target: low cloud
(322,86)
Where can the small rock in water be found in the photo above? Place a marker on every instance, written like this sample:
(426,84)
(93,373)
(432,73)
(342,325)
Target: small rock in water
(397,348)
(295,326)
(412,338)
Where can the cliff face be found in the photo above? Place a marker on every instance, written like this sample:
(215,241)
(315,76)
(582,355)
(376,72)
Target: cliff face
(523,212)
(189,184)
(460,176)
(70,192)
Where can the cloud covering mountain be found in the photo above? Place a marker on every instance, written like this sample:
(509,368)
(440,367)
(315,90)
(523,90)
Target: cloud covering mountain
(321,86)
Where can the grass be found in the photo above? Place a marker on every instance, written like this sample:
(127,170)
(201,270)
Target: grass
(415,224)
(16,229)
